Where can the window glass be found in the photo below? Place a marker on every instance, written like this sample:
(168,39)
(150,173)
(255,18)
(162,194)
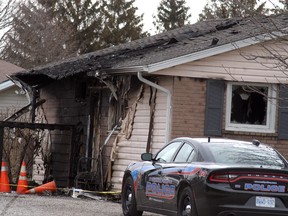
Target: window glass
(249,104)
(251,107)
(184,153)
(192,156)
(167,153)
(246,154)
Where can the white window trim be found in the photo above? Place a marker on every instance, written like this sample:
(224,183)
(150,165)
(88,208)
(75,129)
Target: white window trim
(271,111)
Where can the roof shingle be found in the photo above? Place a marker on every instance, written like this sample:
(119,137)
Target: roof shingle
(165,46)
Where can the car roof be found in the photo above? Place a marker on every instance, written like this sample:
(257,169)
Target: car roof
(205,147)
(200,141)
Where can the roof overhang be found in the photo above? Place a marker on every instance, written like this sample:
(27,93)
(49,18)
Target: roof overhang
(203,53)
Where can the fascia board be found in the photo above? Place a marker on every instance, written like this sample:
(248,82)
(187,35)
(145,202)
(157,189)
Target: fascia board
(6,84)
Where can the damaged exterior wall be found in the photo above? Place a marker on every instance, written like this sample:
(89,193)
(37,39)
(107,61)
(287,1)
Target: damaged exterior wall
(101,131)
(188,113)
(168,50)
(61,107)
(128,150)
(189,102)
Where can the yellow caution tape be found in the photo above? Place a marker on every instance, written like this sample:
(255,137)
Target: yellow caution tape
(85,191)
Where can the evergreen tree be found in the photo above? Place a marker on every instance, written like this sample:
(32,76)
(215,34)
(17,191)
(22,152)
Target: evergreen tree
(55,29)
(171,14)
(216,9)
(120,23)
(34,38)
(84,16)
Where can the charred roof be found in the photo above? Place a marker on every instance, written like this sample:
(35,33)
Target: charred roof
(158,48)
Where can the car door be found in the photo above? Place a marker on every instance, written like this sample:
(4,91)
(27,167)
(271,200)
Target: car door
(172,175)
(152,194)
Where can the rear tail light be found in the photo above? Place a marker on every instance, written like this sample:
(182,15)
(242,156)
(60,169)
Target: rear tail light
(232,177)
(222,177)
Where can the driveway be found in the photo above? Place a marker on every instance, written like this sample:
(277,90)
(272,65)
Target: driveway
(44,205)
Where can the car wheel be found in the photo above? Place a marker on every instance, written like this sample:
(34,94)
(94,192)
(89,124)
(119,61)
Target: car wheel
(185,202)
(128,199)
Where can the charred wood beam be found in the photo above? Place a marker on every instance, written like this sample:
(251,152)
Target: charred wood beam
(23,125)
(152,103)
(33,104)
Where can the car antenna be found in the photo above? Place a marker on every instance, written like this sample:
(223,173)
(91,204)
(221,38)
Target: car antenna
(208,139)
(256,142)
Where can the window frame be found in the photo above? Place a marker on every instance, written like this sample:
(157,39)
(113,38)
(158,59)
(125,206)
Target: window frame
(179,151)
(271,110)
(180,144)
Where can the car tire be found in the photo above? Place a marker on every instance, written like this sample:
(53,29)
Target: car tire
(129,206)
(185,203)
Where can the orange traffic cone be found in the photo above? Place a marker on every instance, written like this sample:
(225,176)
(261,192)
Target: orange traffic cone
(4,180)
(22,185)
(50,186)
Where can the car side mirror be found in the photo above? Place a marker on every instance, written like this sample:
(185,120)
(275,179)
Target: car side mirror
(146,157)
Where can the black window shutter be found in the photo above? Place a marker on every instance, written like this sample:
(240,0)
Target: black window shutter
(283,112)
(214,108)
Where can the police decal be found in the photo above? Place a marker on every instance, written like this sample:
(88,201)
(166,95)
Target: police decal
(160,188)
(265,188)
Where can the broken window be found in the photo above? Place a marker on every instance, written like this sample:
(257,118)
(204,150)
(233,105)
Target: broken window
(250,107)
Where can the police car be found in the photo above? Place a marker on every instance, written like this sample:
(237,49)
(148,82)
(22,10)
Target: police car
(207,177)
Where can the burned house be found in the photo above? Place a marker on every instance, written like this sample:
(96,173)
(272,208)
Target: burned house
(222,78)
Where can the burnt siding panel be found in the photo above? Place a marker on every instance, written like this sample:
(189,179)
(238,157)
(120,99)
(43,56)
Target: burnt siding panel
(60,157)
(283,113)
(61,107)
(127,148)
(214,108)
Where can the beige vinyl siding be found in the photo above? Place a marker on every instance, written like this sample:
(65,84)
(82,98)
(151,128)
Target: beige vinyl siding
(129,150)
(237,65)
(159,124)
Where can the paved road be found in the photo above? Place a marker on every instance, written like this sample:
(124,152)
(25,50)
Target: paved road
(36,205)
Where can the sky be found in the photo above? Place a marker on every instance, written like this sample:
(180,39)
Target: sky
(149,8)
